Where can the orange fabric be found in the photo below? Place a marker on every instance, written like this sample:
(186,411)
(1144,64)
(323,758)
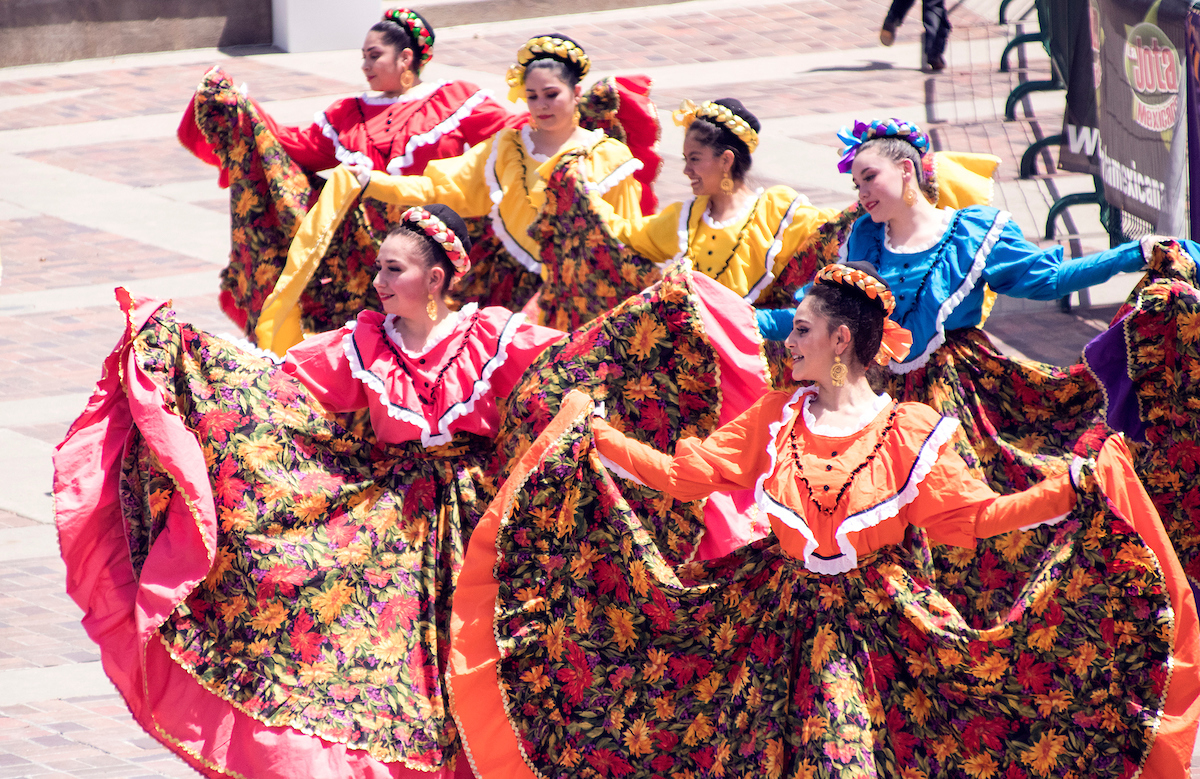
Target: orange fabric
(1171,754)
(949,503)
(475,697)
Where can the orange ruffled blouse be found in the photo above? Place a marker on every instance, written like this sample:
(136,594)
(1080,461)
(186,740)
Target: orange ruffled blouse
(472,357)
(910,477)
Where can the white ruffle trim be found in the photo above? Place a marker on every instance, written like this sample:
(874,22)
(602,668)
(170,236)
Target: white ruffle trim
(416,93)
(930,450)
(481,386)
(436,335)
(681,234)
(528,261)
(830,431)
(775,248)
(619,174)
(740,216)
(864,520)
(924,246)
(344,155)
(618,470)
(950,303)
(448,125)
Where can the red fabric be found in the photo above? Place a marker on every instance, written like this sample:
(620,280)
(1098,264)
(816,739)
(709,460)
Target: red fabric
(122,612)
(381,132)
(481,369)
(639,118)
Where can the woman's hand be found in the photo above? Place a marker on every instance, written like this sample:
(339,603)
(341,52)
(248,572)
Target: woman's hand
(362,173)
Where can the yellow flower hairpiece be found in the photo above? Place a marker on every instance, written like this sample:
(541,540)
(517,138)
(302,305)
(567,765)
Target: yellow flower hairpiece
(688,113)
(539,48)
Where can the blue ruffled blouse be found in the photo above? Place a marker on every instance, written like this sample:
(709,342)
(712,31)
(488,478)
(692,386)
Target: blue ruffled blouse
(942,288)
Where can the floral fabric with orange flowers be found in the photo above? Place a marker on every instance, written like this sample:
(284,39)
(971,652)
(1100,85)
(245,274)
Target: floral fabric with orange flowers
(613,663)
(326,609)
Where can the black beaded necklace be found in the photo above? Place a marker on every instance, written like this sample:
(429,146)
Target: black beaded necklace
(402,130)
(812,494)
(938,255)
(441,374)
(741,236)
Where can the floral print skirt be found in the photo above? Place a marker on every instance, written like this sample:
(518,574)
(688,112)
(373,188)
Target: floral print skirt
(269,195)
(270,592)
(608,660)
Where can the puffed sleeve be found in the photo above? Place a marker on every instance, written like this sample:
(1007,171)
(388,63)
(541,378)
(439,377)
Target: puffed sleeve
(527,345)
(320,363)
(308,146)
(1019,268)
(458,182)
(732,458)
(956,508)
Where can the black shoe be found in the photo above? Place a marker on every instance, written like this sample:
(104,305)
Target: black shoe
(937,64)
(887,35)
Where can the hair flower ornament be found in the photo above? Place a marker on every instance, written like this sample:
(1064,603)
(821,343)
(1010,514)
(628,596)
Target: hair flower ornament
(541,47)
(437,230)
(412,22)
(896,340)
(879,128)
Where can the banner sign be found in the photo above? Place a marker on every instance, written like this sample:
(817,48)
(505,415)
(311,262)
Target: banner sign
(1140,93)
(1192,60)
(1081,126)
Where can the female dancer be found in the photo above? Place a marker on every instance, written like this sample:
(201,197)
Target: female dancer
(270,591)
(269,167)
(744,238)
(824,650)
(500,178)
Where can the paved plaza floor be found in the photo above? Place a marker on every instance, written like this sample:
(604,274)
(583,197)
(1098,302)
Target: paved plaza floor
(96,192)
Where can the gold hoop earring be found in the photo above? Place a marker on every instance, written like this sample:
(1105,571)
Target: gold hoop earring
(577,115)
(910,197)
(727,184)
(407,79)
(838,371)
(431,309)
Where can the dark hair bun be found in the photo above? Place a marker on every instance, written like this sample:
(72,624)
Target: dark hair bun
(452,220)
(735,105)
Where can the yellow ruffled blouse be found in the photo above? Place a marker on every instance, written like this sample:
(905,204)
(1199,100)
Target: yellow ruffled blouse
(500,178)
(744,253)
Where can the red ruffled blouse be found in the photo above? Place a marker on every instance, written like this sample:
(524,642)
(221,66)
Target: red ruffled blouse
(397,134)
(475,356)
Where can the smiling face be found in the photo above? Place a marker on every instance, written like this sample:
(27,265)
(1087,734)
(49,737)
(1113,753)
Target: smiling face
(405,282)
(704,166)
(812,344)
(881,183)
(384,65)
(551,100)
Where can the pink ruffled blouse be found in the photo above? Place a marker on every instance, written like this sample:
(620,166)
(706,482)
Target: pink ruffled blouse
(474,356)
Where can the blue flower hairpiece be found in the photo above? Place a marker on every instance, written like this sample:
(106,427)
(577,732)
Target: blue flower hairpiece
(879,128)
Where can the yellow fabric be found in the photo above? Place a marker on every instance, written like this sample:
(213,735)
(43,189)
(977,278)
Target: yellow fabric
(659,237)
(278,327)
(516,179)
(964,178)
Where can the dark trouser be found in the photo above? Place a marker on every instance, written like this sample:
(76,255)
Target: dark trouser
(937,24)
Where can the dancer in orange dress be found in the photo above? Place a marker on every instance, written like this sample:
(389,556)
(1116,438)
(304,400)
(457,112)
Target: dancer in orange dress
(828,648)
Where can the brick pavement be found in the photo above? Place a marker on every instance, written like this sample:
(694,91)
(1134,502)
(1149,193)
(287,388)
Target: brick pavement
(56,350)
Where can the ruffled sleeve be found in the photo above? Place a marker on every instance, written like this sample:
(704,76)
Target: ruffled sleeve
(794,220)
(319,362)
(458,182)
(612,166)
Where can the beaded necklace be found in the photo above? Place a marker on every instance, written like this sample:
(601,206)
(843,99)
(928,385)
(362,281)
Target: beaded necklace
(938,255)
(400,131)
(441,374)
(891,421)
(741,236)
